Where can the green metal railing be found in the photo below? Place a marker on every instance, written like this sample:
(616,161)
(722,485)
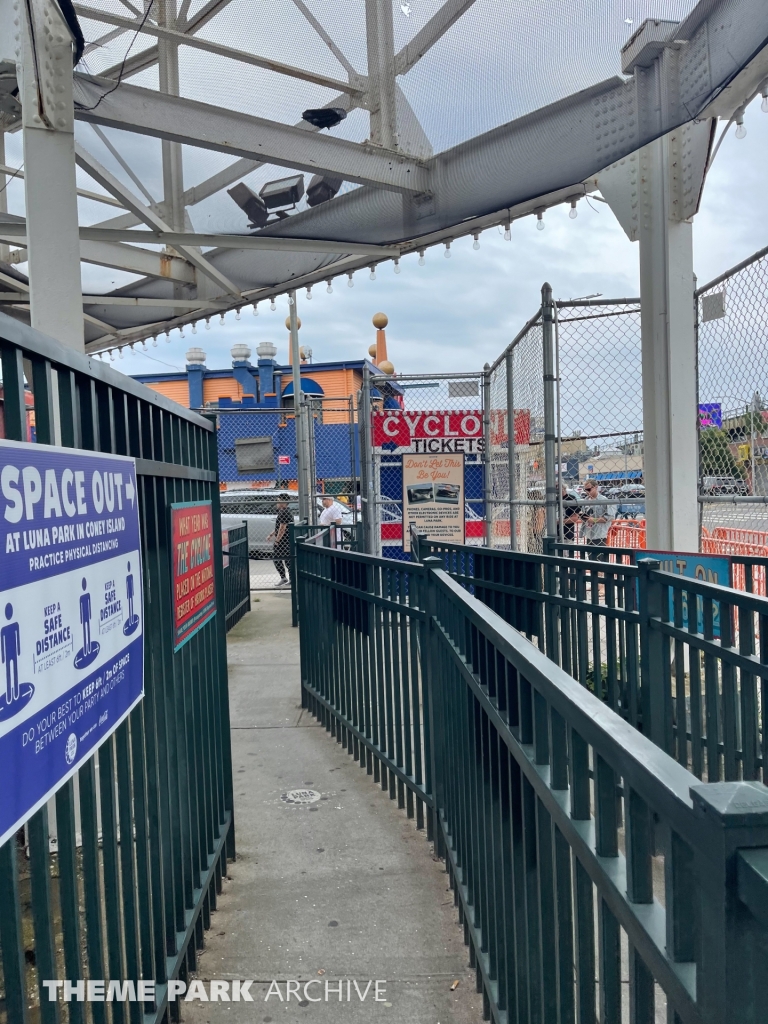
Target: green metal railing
(237,576)
(579,853)
(694,683)
(345,538)
(144,831)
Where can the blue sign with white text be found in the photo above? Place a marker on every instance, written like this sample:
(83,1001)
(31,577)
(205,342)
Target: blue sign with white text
(71,615)
(707,568)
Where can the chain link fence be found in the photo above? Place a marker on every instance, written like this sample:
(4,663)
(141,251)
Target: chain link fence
(258,463)
(732,326)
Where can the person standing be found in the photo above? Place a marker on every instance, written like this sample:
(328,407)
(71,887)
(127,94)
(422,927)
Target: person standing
(332,515)
(571,515)
(281,554)
(596,518)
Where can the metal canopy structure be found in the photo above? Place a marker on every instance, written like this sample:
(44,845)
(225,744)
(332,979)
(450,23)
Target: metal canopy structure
(460,115)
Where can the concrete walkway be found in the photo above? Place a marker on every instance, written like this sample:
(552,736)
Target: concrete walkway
(342,888)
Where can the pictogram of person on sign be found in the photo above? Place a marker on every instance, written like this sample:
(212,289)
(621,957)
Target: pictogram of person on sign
(90,649)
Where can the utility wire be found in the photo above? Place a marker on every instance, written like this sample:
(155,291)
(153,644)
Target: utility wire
(125,58)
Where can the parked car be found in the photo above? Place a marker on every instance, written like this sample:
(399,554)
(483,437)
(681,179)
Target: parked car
(630,501)
(258,510)
(724,485)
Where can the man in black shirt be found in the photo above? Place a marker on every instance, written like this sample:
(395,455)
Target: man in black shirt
(571,515)
(281,555)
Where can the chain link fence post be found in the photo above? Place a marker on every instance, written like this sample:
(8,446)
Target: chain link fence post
(367,482)
(511,449)
(547,318)
(487,455)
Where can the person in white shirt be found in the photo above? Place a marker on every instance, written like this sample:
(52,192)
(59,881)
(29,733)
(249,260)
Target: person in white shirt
(332,515)
(333,511)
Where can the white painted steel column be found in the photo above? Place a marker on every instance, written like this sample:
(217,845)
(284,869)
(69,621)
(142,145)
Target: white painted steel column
(4,249)
(298,419)
(669,356)
(381,73)
(53,241)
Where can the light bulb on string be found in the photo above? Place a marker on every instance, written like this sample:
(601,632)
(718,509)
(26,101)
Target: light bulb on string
(221,320)
(350,282)
(144,344)
(764,104)
(329,283)
(112,355)
(372,275)
(181,332)
(272,304)
(476,243)
(255,309)
(573,213)
(396,267)
(154,341)
(167,336)
(422,261)
(447,252)
(741,131)
(194,326)
(309,293)
(290,299)
(507,232)
(120,352)
(207,323)
(540,220)
(237,313)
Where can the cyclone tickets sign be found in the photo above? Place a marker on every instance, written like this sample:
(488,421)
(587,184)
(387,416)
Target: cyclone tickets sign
(433,432)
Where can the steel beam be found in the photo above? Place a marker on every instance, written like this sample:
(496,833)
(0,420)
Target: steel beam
(130,258)
(15,231)
(185,39)
(431,33)
(108,181)
(227,131)
(382,97)
(45,85)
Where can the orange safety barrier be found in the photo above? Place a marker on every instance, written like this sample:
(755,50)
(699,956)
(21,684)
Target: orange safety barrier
(627,533)
(738,536)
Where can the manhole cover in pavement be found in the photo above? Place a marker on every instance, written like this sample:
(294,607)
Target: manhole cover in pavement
(300,796)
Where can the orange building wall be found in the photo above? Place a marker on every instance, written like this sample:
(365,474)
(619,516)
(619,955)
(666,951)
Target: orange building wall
(222,387)
(176,390)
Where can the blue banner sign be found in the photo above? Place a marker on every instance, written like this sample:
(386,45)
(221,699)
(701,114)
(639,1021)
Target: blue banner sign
(71,615)
(708,568)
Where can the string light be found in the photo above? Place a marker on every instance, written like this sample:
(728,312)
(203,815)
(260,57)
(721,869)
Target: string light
(221,320)
(508,232)
(272,304)
(329,282)
(540,220)
(422,261)
(396,267)
(372,274)
(764,104)
(309,293)
(167,336)
(237,313)
(255,309)
(120,352)
(154,341)
(144,344)
(112,355)
(181,331)
(476,243)
(350,282)
(447,252)
(194,326)
(573,213)
(290,299)
(207,323)
(741,131)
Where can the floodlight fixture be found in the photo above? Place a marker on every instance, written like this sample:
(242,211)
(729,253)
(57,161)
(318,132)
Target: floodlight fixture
(321,188)
(251,204)
(283,192)
(324,117)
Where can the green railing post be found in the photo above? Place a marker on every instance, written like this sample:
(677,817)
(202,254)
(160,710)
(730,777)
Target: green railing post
(731,868)
(655,698)
(429,675)
(294,566)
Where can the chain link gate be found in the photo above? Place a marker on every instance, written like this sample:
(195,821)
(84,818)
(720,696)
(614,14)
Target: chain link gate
(732,330)
(258,460)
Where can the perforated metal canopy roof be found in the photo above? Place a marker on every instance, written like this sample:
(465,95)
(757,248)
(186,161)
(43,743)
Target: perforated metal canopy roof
(461,114)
